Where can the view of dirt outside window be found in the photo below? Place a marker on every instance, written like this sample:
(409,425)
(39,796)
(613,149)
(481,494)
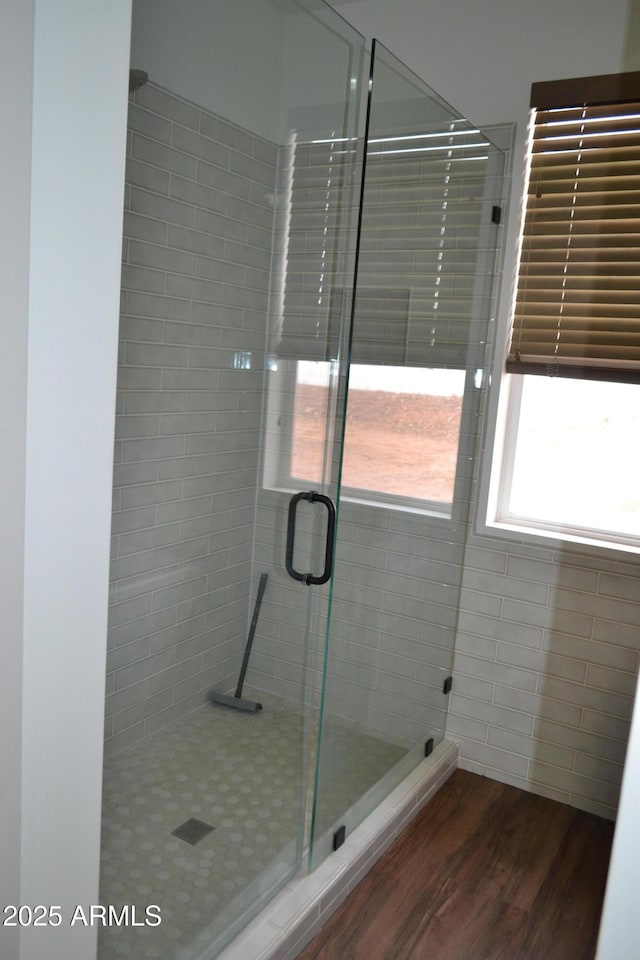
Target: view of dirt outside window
(402,432)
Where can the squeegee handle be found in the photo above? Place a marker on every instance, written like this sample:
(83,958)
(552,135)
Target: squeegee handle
(262,585)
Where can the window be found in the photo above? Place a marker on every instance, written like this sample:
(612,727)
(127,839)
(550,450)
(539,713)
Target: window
(426,244)
(401,435)
(569,463)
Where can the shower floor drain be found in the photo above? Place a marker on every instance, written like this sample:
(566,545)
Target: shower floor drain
(192,831)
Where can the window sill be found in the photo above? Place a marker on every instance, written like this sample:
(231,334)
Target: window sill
(401,507)
(522,531)
(351,496)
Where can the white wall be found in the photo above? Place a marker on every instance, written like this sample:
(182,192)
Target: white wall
(620,928)
(16,65)
(483,57)
(60,349)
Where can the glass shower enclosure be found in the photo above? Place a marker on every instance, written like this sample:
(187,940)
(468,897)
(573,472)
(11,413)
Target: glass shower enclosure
(284,588)
(427,243)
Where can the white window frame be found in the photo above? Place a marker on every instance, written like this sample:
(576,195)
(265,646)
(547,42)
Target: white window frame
(277,459)
(499,430)
(492,516)
(492,513)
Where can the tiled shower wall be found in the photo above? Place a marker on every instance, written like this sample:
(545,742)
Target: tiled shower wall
(396,590)
(547,653)
(545,668)
(196,258)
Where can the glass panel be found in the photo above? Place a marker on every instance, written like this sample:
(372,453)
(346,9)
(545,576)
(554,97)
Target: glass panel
(422,305)
(237,221)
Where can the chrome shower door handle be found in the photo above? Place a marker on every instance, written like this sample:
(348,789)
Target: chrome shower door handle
(312,497)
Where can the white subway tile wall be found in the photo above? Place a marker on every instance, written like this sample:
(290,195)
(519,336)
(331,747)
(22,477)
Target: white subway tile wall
(544,677)
(195,279)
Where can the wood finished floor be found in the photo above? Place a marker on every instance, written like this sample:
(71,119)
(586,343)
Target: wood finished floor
(484,872)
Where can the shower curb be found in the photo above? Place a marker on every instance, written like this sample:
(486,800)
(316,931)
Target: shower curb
(299,910)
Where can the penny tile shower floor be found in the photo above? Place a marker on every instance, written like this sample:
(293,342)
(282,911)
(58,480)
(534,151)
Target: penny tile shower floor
(238,773)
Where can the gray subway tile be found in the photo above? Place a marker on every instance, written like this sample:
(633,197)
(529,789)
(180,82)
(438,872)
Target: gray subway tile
(154,401)
(160,257)
(224,180)
(129,610)
(145,583)
(198,195)
(156,355)
(137,672)
(155,448)
(124,698)
(618,610)
(145,626)
(195,241)
(148,493)
(161,208)
(171,596)
(177,634)
(583,696)
(591,651)
(127,738)
(573,783)
(537,705)
(164,157)
(133,715)
(130,427)
(145,228)
(200,146)
(178,553)
(143,280)
(171,424)
(616,681)
(139,378)
(126,654)
(172,469)
(131,566)
(127,520)
(157,101)
(183,509)
(218,270)
(146,539)
(226,133)
(171,675)
(253,169)
(149,178)
(161,308)
(147,123)
(190,379)
(125,474)
(219,225)
(145,329)
(584,742)
(542,661)
(191,334)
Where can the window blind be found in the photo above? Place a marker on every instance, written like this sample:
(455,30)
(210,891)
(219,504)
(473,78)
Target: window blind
(577,304)
(420,299)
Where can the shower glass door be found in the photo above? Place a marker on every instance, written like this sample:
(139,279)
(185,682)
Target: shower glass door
(238,206)
(427,252)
